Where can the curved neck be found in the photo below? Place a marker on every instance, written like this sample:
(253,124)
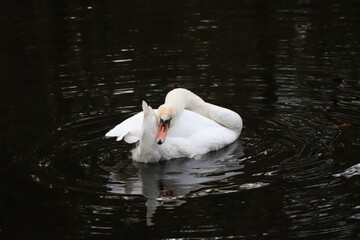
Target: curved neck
(180,99)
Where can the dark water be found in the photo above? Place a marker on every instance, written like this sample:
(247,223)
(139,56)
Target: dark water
(71,70)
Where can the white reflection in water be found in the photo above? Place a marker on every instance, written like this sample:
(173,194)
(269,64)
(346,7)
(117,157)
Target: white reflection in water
(123,91)
(167,183)
(350,172)
(122,60)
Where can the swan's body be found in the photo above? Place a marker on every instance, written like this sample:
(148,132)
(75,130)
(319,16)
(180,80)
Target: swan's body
(196,128)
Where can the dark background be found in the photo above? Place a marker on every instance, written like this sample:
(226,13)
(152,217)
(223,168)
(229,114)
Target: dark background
(71,70)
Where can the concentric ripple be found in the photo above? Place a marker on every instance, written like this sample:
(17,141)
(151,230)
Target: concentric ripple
(76,157)
(292,151)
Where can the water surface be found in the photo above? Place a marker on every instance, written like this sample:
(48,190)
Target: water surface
(70,71)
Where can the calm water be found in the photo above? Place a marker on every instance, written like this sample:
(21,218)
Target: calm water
(71,70)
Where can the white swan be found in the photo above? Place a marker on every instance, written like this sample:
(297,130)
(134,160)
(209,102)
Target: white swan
(184,126)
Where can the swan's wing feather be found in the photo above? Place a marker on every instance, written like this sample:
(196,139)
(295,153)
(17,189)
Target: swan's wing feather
(195,134)
(190,123)
(129,129)
(131,137)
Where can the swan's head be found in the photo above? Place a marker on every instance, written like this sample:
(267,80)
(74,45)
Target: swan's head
(166,119)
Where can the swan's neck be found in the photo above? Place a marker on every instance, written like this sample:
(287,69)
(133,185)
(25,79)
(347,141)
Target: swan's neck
(180,99)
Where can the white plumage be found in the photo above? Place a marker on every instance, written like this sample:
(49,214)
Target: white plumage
(196,128)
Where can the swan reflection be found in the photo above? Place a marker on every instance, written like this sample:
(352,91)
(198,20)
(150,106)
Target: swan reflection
(167,183)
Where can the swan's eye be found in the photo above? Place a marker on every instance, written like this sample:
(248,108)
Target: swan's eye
(165,122)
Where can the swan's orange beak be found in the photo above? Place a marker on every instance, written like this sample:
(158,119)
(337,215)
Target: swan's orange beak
(163,129)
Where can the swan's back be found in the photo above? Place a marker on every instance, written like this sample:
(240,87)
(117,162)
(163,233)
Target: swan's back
(195,134)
